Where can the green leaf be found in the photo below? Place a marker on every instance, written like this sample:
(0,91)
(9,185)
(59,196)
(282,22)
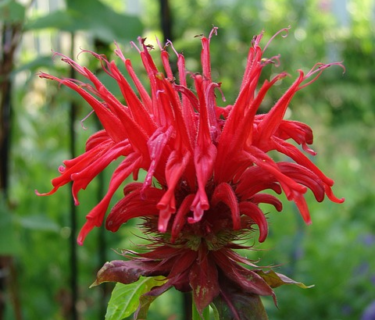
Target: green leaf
(104,23)
(11,11)
(144,304)
(92,16)
(36,64)
(125,299)
(39,222)
(214,312)
(61,20)
(275,280)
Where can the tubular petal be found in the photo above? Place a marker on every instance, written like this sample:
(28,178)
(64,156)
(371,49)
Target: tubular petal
(267,198)
(252,211)
(331,196)
(264,161)
(197,153)
(300,201)
(304,176)
(174,170)
(292,152)
(128,207)
(96,215)
(179,220)
(273,118)
(74,166)
(224,193)
(156,145)
(82,178)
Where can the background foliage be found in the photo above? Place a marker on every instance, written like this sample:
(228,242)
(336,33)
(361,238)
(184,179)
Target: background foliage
(335,253)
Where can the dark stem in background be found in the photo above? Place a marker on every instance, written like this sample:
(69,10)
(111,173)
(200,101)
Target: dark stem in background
(104,288)
(102,250)
(11,35)
(166,23)
(73,209)
(5,117)
(166,20)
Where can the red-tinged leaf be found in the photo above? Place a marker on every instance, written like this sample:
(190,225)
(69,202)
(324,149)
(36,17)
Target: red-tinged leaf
(123,271)
(183,263)
(275,280)
(246,279)
(204,282)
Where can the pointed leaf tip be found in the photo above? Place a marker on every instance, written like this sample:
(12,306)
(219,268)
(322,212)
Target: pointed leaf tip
(275,280)
(94,284)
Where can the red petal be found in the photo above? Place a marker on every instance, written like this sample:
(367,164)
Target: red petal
(97,138)
(176,165)
(257,215)
(96,215)
(254,180)
(292,152)
(179,220)
(156,145)
(267,198)
(204,153)
(264,161)
(273,118)
(331,196)
(304,176)
(224,193)
(128,207)
(300,201)
(82,178)
(238,129)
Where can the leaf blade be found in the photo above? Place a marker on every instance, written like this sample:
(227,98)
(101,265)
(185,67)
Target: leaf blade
(275,279)
(125,299)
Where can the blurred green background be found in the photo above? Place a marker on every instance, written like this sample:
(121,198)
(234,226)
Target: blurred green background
(335,253)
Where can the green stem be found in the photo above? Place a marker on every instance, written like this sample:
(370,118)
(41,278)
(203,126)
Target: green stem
(197,316)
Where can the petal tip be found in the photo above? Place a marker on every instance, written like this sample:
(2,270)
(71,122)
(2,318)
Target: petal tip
(80,241)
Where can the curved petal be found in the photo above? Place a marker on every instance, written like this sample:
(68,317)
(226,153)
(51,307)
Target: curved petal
(224,193)
(252,211)
(96,215)
(129,207)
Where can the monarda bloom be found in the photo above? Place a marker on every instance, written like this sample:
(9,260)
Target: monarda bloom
(208,169)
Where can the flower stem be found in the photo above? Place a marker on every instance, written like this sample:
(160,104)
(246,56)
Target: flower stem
(197,316)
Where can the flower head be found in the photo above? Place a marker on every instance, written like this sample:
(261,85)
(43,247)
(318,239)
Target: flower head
(208,168)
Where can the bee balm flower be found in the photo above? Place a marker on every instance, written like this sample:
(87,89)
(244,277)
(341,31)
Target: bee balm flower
(208,167)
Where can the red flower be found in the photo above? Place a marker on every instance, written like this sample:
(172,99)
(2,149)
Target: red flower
(210,162)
